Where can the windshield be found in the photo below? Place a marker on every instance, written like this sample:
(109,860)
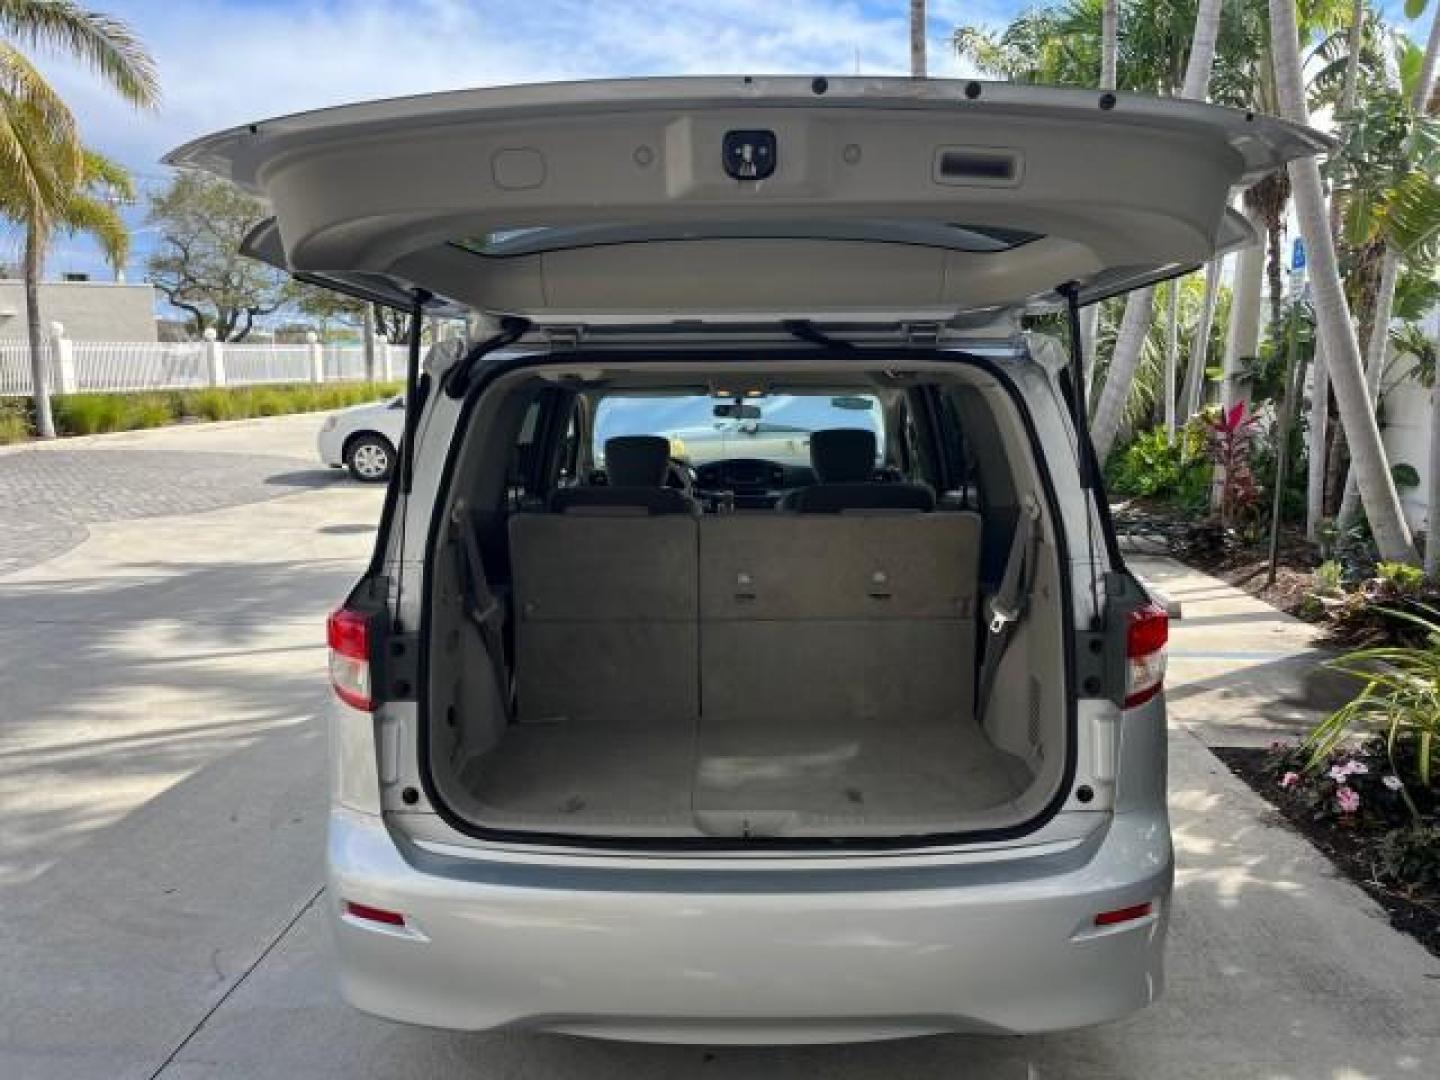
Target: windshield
(772,427)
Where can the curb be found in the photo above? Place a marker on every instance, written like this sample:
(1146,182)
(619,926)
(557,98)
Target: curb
(209,425)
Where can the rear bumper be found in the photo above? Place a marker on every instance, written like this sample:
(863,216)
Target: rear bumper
(709,956)
(329,446)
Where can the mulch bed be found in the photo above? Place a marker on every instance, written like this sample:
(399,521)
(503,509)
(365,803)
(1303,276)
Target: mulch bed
(1293,581)
(1248,568)
(1245,567)
(1348,849)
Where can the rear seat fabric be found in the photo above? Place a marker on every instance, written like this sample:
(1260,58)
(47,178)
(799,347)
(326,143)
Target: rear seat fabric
(606,628)
(810,621)
(817,621)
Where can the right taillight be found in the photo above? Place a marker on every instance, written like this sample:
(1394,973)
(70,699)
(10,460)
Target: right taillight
(348,633)
(1145,640)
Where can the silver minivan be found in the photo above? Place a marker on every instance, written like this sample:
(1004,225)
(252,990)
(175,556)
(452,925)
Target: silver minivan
(746,655)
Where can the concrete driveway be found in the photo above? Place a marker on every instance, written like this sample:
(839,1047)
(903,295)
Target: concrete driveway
(162,801)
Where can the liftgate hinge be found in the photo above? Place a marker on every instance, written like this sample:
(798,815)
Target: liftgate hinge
(398,668)
(564,337)
(1101,663)
(922,335)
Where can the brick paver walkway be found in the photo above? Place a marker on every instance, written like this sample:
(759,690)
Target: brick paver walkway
(49,494)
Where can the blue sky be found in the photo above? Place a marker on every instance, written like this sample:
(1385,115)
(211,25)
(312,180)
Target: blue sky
(224,62)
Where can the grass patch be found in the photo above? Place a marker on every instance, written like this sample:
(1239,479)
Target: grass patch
(14,422)
(94,414)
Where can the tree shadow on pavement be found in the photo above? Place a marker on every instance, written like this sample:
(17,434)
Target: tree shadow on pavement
(308,478)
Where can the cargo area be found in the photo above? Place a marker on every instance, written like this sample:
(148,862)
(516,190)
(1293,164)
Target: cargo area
(746,662)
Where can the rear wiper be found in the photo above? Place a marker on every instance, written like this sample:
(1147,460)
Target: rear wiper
(456,381)
(806,330)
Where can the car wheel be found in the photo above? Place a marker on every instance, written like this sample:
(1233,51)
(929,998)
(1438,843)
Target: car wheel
(370,458)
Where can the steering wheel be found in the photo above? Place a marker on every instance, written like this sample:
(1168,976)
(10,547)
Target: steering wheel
(679,474)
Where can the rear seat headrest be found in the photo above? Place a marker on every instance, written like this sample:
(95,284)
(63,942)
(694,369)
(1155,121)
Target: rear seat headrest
(637,460)
(843,455)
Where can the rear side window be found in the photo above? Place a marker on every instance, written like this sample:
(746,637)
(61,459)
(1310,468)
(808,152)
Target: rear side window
(520,475)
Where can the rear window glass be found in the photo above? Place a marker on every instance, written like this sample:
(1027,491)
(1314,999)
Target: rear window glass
(773,427)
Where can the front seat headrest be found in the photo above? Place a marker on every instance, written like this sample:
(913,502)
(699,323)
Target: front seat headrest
(637,460)
(843,455)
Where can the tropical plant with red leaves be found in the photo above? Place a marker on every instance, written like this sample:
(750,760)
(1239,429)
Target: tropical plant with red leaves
(1228,434)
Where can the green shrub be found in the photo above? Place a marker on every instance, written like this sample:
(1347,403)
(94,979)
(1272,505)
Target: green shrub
(1400,702)
(1329,578)
(1401,577)
(14,422)
(1411,857)
(91,414)
(268,401)
(149,411)
(87,414)
(1153,466)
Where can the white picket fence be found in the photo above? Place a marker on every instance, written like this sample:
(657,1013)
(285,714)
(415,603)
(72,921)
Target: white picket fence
(79,367)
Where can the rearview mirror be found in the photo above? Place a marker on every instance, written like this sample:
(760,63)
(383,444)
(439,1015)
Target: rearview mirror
(731,411)
(859,404)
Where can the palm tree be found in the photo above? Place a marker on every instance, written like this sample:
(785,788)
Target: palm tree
(1242,339)
(92,209)
(1192,396)
(1319,427)
(917,38)
(1109,61)
(1248,79)
(43,166)
(1396,216)
(1109,47)
(1136,323)
(1332,312)
(1040,46)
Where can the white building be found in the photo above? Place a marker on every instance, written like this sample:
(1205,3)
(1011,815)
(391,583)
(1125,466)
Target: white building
(89,310)
(1405,415)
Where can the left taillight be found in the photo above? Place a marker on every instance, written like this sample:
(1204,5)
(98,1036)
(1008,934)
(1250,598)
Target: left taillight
(1145,640)
(348,633)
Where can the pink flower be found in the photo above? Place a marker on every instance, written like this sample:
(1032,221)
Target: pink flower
(1290,779)
(1339,773)
(1392,782)
(1348,798)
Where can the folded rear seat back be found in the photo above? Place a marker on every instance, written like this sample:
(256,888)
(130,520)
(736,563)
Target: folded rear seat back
(606,618)
(822,620)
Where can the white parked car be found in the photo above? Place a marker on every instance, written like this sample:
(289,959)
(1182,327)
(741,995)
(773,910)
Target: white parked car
(770,748)
(364,438)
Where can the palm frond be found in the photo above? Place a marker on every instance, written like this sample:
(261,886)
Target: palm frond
(103,43)
(101,171)
(98,218)
(983,49)
(1410,214)
(39,145)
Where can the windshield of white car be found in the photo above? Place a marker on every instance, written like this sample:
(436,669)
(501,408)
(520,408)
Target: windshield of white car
(771,428)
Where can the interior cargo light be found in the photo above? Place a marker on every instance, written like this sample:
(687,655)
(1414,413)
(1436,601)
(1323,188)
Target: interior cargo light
(1124,914)
(374,914)
(348,633)
(1147,634)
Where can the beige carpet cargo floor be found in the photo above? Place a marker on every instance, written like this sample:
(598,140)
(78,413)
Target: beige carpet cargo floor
(852,780)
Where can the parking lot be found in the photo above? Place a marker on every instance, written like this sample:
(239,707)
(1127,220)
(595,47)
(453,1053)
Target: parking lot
(162,599)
